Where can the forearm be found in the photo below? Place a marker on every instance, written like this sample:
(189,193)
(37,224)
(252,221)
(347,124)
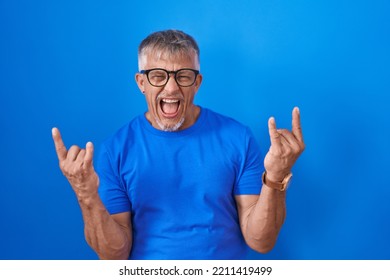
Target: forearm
(109,237)
(262,220)
(106,237)
(265,219)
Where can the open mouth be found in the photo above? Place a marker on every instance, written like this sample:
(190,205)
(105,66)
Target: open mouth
(169,107)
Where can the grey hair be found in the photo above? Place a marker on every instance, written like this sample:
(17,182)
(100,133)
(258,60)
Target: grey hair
(168,42)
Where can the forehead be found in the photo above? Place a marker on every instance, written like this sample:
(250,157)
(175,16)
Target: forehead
(170,61)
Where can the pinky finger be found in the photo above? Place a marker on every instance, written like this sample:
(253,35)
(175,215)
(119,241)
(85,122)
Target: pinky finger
(89,154)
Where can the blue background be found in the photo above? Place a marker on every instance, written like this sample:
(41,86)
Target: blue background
(71,64)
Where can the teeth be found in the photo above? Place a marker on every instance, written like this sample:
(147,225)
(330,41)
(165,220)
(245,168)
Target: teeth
(170,100)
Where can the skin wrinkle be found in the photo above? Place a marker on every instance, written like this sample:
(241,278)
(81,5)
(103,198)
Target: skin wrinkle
(188,112)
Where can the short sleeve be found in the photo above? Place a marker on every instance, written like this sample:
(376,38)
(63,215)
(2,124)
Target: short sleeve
(252,167)
(112,192)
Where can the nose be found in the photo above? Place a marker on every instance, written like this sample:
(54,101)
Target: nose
(172,85)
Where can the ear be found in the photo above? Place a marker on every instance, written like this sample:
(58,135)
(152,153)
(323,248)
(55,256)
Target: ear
(140,80)
(198,81)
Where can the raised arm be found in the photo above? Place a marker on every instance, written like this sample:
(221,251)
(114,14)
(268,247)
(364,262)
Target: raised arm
(110,236)
(262,216)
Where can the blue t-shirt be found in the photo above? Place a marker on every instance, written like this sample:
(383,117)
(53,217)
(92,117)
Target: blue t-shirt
(180,186)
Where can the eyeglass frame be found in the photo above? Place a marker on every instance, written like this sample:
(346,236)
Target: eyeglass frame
(146,72)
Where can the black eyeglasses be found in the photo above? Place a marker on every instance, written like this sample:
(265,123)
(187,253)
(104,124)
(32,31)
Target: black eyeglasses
(159,77)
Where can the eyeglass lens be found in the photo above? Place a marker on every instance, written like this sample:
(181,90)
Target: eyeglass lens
(184,77)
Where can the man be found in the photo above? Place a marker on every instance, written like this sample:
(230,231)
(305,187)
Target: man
(181,181)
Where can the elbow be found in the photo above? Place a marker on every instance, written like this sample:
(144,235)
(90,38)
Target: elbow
(112,256)
(112,253)
(106,251)
(262,239)
(261,246)
(261,242)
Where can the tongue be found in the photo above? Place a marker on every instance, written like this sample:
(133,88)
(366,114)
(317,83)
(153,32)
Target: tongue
(169,108)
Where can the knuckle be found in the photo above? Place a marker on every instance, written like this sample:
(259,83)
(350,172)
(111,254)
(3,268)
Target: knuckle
(276,135)
(75,148)
(296,148)
(297,151)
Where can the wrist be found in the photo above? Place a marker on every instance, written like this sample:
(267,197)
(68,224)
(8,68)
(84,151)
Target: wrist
(276,177)
(87,191)
(87,199)
(280,185)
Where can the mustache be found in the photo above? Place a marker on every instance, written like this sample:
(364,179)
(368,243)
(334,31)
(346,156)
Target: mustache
(163,95)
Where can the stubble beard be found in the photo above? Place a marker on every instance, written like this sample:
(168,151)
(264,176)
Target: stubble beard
(169,128)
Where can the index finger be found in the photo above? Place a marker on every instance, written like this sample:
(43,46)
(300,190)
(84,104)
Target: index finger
(59,144)
(296,124)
